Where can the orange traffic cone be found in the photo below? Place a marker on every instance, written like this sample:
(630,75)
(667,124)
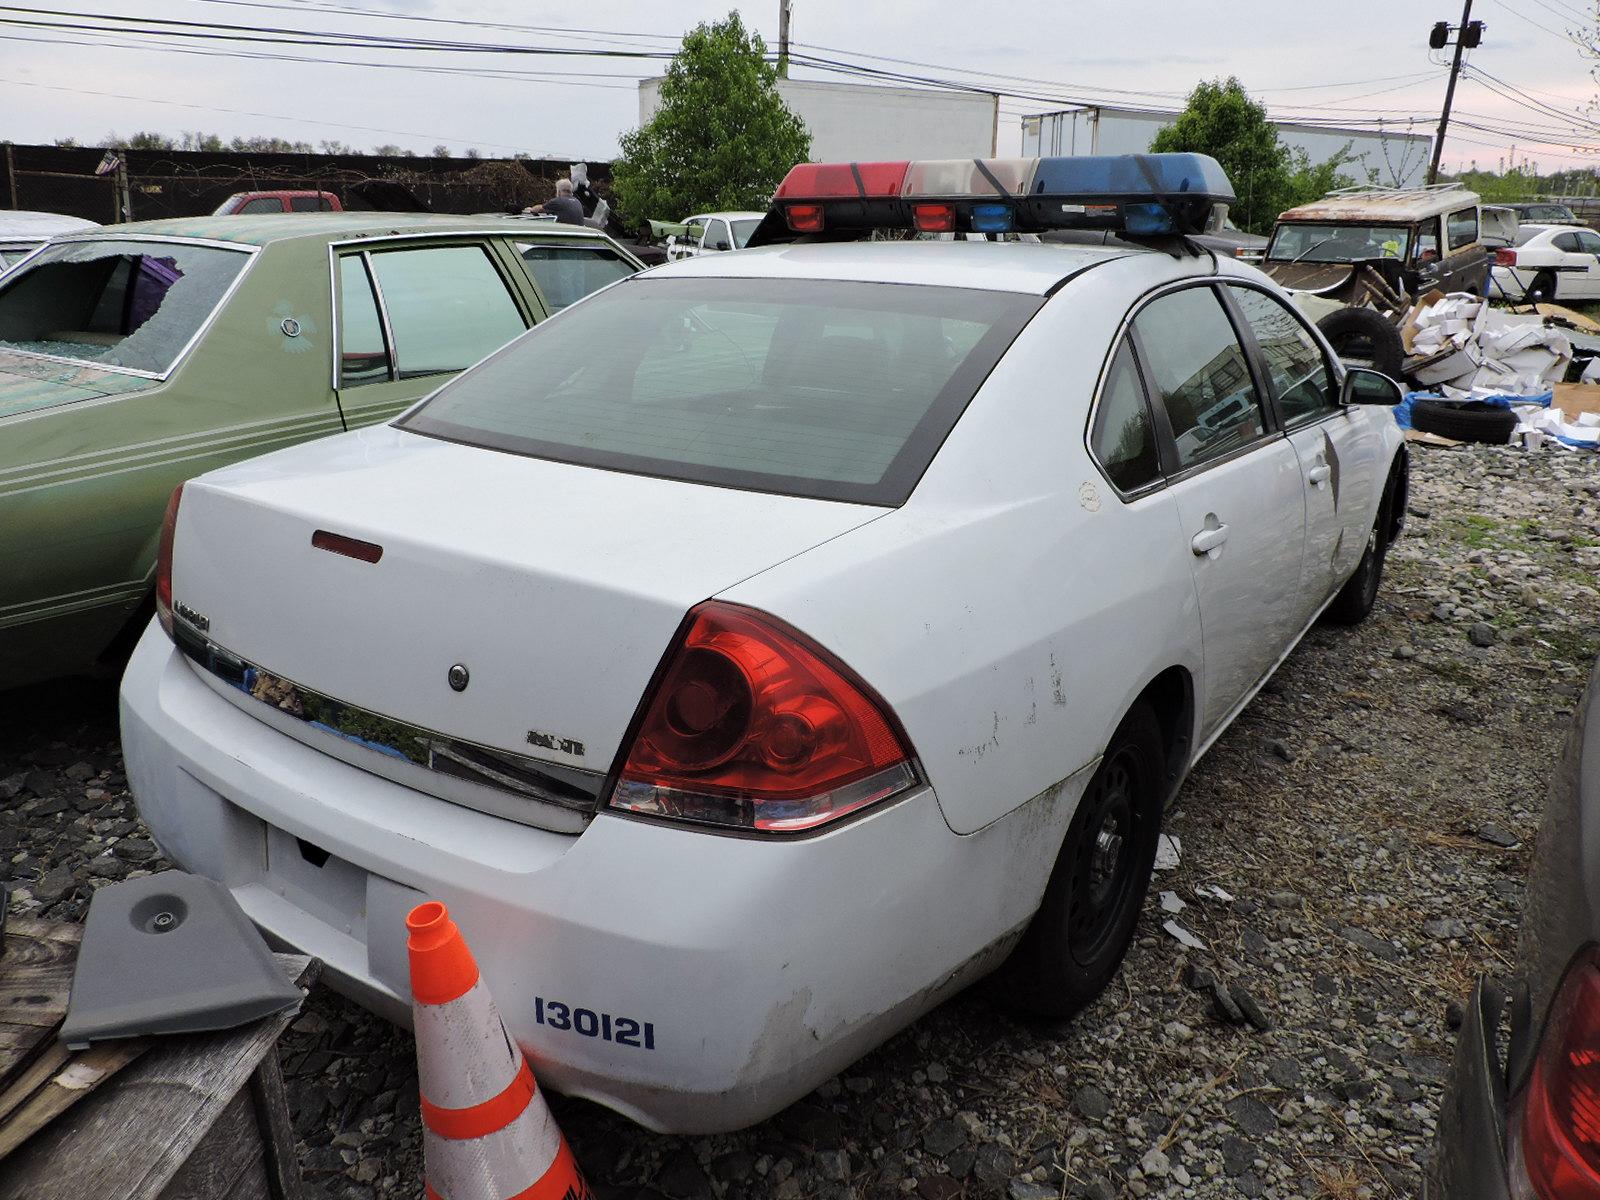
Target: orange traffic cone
(486,1132)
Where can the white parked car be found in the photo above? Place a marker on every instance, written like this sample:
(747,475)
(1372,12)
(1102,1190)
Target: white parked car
(711,232)
(22,232)
(765,649)
(1549,262)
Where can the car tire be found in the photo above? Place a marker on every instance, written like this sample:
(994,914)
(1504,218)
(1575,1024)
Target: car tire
(1362,337)
(1468,422)
(1085,923)
(1543,288)
(1356,599)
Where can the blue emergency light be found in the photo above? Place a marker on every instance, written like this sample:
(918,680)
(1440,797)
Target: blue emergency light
(1136,195)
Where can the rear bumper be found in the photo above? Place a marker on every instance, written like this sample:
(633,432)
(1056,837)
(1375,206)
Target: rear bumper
(1469,1154)
(761,968)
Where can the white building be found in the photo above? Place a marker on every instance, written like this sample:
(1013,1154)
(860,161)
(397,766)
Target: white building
(1400,158)
(864,123)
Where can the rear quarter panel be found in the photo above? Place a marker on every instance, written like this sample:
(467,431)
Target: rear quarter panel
(1012,610)
(83,485)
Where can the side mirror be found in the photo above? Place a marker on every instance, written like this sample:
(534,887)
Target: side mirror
(722,244)
(1369,387)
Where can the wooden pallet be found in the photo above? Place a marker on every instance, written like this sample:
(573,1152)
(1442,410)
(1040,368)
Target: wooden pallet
(183,1117)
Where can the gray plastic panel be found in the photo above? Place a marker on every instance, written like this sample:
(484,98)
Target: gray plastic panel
(170,953)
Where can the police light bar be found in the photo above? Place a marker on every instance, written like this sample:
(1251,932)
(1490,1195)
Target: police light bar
(1138,195)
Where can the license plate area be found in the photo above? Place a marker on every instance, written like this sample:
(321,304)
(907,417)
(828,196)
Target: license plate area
(312,879)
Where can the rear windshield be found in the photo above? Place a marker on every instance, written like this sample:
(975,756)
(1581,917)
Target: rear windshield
(125,304)
(841,391)
(1337,243)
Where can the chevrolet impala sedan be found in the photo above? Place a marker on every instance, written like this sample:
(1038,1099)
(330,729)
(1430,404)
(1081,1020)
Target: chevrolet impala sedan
(764,650)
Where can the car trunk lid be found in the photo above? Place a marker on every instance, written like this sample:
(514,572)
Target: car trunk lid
(518,606)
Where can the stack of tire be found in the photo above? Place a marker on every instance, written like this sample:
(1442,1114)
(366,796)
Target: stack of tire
(1362,337)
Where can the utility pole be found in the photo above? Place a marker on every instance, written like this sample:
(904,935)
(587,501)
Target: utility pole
(783,39)
(1468,35)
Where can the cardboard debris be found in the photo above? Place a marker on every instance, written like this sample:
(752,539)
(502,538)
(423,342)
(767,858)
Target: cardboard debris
(1185,938)
(1432,439)
(1171,902)
(1169,850)
(1577,397)
(1465,349)
(1536,424)
(1212,892)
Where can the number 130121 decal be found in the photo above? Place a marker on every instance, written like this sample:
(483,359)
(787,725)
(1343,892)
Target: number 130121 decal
(624,1031)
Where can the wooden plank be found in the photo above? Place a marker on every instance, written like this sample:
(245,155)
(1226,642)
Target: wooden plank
(75,1080)
(127,1142)
(271,1103)
(252,1185)
(35,979)
(55,1057)
(222,1156)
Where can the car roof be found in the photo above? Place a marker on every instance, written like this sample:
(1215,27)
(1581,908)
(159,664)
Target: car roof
(1031,268)
(15,223)
(258,229)
(1380,204)
(727,216)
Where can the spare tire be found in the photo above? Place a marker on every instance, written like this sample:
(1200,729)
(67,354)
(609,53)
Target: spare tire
(1472,421)
(1363,337)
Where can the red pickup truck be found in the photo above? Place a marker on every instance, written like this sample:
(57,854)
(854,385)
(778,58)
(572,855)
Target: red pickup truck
(271,202)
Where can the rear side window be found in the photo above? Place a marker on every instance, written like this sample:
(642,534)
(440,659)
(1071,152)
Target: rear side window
(117,304)
(261,204)
(566,274)
(1588,242)
(363,353)
(447,307)
(822,388)
(1566,241)
(1122,438)
(1299,373)
(1199,370)
(1463,227)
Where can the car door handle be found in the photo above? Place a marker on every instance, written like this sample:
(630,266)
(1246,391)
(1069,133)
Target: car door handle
(1319,474)
(1208,540)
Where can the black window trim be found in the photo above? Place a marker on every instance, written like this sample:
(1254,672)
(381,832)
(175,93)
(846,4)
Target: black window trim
(1264,377)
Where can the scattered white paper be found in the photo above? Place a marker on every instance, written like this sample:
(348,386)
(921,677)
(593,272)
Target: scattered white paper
(1171,902)
(1168,851)
(1184,937)
(1212,892)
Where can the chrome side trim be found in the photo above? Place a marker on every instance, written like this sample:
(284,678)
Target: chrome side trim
(396,749)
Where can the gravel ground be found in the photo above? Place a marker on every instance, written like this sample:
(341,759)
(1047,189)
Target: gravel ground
(1370,815)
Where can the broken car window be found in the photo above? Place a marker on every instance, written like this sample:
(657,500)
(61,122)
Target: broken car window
(1195,362)
(115,303)
(1294,361)
(1122,439)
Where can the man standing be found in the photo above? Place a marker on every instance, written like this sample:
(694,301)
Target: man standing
(564,206)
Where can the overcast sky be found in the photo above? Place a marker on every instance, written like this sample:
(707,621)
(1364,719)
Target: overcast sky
(1356,59)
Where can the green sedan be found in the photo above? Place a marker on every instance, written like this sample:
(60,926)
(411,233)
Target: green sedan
(135,357)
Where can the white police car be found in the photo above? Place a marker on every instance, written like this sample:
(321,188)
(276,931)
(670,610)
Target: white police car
(775,642)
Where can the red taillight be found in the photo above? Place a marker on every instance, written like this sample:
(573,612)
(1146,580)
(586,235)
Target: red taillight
(752,725)
(164,561)
(1505,258)
(1560,1125)
(934,218)
(804,218)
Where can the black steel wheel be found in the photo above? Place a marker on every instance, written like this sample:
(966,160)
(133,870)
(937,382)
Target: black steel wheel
(1085,923)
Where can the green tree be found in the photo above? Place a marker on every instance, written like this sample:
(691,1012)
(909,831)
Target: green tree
(1221,120)
(722,138)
